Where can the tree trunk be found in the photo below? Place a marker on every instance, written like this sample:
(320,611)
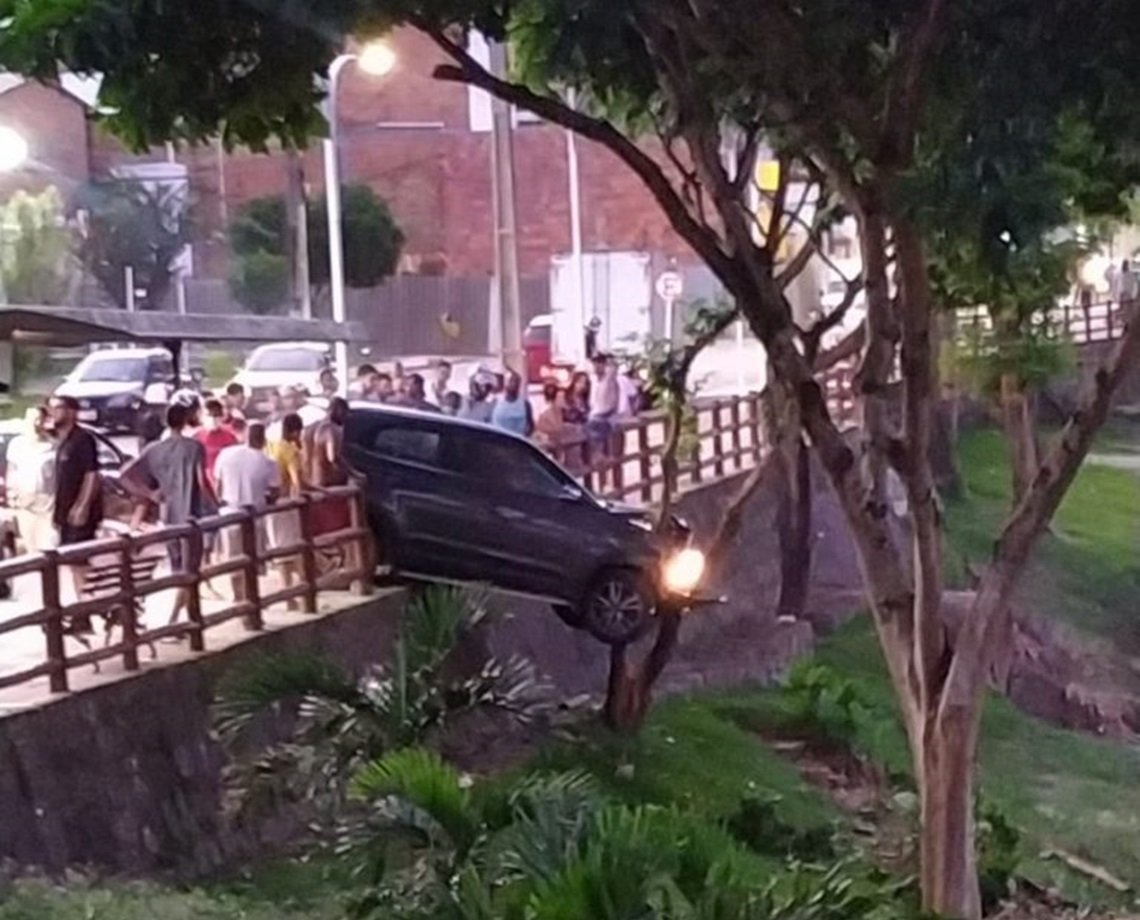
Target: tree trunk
(944,445)
(946,789)
(1020,429)
(793,521)
(630,689)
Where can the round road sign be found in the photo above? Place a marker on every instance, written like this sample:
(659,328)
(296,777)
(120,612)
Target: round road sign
(670,285)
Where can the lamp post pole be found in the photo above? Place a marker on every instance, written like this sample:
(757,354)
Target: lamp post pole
(508,305)
(332,199)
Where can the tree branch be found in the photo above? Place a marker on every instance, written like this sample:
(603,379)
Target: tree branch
(1021,533)
(904,100)
(469,71)
(814,335)
(850,346)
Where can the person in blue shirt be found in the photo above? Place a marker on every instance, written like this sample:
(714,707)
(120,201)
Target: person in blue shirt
(512,411)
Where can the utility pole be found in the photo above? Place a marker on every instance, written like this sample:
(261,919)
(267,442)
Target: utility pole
(507,299)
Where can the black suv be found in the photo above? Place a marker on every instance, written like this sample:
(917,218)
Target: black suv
(459,501)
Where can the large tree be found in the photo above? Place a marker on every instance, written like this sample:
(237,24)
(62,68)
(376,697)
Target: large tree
(874,99)
(123,224)
(36,262)
(261,233)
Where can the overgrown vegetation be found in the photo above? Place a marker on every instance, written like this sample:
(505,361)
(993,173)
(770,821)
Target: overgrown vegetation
(340,724)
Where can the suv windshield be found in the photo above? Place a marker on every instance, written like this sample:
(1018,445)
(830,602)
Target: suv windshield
(286,359)
(114,370)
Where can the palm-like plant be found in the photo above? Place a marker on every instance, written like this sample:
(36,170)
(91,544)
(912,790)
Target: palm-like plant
(550,847)
(338,724)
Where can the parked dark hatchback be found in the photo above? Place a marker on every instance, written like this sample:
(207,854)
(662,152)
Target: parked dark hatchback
(458,501)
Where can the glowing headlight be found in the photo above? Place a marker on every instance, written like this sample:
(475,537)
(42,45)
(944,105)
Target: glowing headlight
(683,571)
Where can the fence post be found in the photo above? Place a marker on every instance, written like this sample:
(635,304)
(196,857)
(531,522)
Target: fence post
(645,461)
(698,452)
(361,547)
(250,586)
(737,449)
(754,426)
(718,442)
(53,625)
(617,464)
(308,555)
(194,598)
(127,622)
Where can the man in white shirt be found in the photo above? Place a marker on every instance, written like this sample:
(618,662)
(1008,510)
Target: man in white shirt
(30,463)
(605,402)
(245,477)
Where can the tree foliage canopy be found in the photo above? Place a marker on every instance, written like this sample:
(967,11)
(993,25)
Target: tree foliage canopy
(371,237)
(37,265)
(126,223)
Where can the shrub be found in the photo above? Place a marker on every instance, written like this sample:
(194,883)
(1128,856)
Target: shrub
(1000,853)
(828,705)
(758,825)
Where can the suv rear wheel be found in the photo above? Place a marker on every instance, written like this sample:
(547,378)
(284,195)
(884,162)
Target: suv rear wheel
(618,608)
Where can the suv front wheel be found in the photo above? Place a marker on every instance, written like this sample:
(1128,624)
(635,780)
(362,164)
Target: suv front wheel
(618,607)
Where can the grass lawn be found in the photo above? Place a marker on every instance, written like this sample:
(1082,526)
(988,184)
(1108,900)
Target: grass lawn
(1063,789)
(1086,572)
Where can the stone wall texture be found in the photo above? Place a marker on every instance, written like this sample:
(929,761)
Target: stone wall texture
(126,777)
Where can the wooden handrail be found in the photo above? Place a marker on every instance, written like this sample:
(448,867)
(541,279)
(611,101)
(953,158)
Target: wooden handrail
(117,600)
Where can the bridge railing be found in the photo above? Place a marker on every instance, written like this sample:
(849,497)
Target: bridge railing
(719,436)
(1080,323)
(111,579)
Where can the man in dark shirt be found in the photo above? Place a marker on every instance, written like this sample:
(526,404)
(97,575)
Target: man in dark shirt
(78,499)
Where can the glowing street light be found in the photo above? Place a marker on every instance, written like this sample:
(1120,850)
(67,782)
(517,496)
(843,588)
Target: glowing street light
(376,59)
(13,149)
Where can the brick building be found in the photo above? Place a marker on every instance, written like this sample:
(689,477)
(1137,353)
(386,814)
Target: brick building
(424,146)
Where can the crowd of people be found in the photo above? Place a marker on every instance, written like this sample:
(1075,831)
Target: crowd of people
(575,422)
(212,455)
(208,459)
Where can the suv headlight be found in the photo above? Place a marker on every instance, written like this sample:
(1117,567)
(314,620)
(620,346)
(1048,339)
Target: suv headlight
(682,572)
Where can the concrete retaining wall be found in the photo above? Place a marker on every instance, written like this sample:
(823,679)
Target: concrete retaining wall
(126,776)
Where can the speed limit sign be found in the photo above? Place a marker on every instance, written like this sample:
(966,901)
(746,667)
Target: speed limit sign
(670,286)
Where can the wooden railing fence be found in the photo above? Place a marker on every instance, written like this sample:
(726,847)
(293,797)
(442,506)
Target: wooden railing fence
(120,596)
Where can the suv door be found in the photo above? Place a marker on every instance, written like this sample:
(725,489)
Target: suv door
(423,513)
(545,534)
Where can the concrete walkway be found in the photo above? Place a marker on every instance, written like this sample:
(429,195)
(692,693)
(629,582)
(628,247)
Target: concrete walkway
(26,648)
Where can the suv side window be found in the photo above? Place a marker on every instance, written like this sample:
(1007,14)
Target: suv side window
(409,444)
(502,461)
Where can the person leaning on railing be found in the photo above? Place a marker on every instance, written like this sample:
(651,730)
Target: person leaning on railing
(246,478)
(285,526)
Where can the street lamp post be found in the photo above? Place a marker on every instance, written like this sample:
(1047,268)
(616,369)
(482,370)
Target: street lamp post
(375,59)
